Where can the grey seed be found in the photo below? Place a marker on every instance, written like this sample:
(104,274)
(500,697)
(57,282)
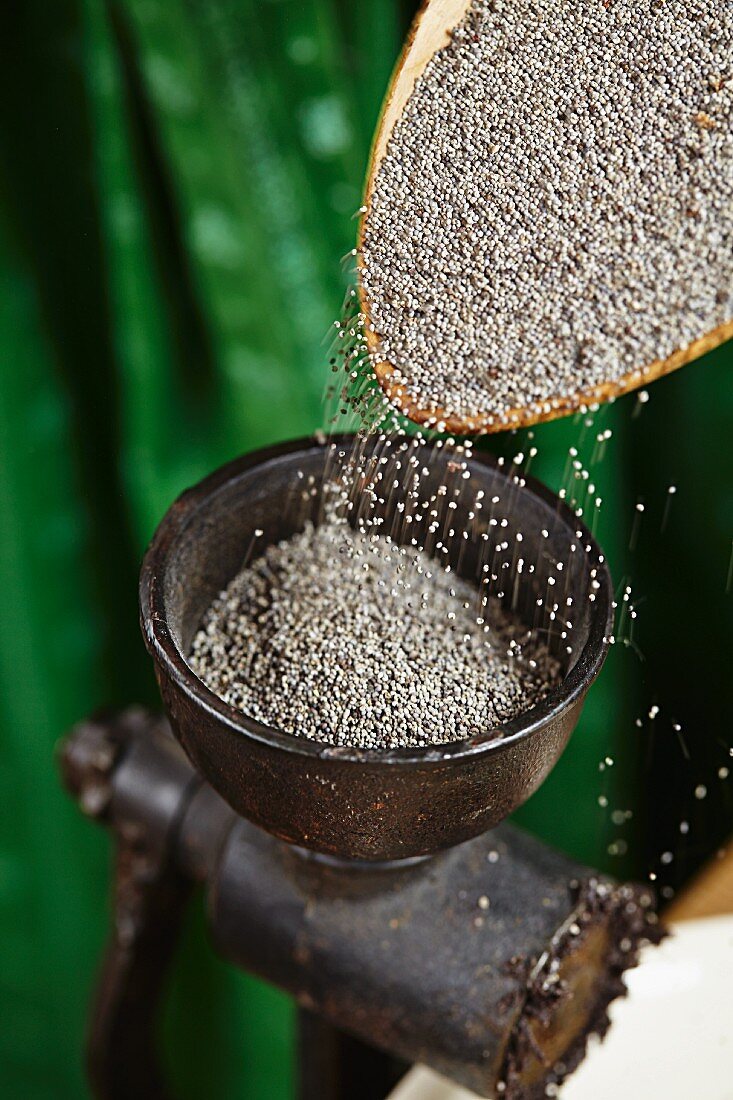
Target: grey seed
(555,206)
(307,641)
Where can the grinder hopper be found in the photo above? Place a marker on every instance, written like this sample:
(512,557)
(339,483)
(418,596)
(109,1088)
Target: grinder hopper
(342,801)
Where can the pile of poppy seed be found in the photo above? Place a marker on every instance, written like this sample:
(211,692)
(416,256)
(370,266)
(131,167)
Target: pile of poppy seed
(343,637)
(555,206)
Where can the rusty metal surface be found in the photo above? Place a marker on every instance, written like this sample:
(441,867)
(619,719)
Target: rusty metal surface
(444,962)
(343,801)
(491,962)
(128,771)
(332,1065)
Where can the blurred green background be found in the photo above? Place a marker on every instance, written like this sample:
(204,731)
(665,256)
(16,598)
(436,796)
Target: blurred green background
(177,188)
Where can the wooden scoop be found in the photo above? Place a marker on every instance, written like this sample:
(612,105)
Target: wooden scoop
(429,33)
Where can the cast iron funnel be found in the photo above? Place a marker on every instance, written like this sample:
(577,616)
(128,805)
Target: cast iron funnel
(347,802)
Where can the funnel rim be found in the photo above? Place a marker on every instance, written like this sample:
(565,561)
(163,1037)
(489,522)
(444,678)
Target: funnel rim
(162,646)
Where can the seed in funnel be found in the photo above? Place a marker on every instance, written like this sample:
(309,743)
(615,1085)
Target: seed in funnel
(346,638)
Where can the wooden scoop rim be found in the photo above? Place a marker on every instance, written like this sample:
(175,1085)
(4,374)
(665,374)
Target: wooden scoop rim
(410,66)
